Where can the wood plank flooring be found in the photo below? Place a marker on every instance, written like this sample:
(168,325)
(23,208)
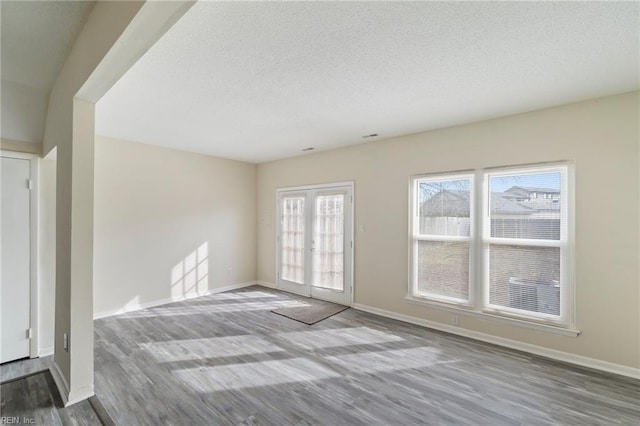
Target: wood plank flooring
(225,359)
(34,399)
(15,369)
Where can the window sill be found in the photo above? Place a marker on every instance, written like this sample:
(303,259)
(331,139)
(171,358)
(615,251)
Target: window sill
(470,312)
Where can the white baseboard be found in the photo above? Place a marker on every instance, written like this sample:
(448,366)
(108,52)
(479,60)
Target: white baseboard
(137,307)
(69,397)
(45,352)
(583,361)
(61,382)
(78,395)
(266,284)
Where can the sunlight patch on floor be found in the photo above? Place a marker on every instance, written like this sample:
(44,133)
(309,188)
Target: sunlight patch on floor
(242,295)
(242,376)
(207,348)
(338,337)
(214,308)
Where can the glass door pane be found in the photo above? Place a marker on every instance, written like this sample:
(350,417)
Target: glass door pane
(315,249)
(292,238)
(328,242)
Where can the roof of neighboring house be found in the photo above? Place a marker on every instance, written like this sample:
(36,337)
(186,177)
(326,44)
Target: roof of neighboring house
(504,205)
(457,204)
(533,189)
(541,204)
(449,203)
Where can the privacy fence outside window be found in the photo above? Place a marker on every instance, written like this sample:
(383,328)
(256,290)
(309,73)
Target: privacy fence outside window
(494,241)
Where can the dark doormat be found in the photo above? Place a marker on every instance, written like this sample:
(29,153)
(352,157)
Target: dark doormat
(316,311)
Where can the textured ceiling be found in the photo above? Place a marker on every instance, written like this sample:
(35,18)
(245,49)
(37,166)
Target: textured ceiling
(37,37)
(261,81)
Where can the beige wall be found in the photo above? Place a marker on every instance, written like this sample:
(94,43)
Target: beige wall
(154,209)
(23,112)
(600,136)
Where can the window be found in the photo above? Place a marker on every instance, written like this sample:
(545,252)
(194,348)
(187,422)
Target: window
(486,242)
(442,238)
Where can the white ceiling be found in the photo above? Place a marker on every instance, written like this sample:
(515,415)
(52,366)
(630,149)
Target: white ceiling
(261,81)
(36,39)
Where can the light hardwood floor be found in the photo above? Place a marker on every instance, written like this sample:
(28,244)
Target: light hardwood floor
(226,359)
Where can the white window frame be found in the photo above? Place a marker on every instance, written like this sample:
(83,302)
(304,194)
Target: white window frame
(562,244)
(416,236)
(480,239)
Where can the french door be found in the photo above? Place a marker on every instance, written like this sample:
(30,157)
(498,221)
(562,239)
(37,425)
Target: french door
(315,242)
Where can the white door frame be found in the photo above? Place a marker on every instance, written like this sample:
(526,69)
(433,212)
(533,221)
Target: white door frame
(350,235)
(33,245)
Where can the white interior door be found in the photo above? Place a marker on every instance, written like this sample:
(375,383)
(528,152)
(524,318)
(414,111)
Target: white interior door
(15,273)
(315,242)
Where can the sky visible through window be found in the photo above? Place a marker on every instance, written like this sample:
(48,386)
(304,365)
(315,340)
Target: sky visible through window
(428,190)
(498,184)
(538,180)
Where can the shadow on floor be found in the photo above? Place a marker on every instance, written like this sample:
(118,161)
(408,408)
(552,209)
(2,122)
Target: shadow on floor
(34,399)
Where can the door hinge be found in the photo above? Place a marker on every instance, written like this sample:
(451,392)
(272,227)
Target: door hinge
(29,333)
(29,186)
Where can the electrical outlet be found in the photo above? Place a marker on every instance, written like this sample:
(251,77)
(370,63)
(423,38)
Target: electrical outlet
(455,320)
(65,342)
